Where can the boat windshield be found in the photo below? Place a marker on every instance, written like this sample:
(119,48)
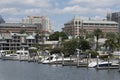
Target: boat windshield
(13,55)
(50,58)
(25,53)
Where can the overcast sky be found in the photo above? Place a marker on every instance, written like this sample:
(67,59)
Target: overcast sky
(58,11)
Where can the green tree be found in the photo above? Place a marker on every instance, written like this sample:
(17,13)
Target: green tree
(69,47)
(111,35)
(22,31)
(56,35)
(110,44)
(118,38)
(97,32)
(84,45)
(112,41)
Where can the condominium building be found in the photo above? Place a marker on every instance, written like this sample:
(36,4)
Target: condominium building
(45,22)
(115,16)
(76,25)
(14,36)
(16,41)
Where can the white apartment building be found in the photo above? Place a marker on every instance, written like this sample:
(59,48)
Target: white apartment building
(45,22)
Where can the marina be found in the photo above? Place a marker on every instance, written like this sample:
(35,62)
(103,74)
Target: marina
(15,70)
(55,59)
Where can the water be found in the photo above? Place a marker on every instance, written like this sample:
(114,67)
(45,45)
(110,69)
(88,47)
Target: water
(15,70)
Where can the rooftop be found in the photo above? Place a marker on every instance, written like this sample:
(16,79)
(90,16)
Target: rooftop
(77,18)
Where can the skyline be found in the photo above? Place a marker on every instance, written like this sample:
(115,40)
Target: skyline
(59,12)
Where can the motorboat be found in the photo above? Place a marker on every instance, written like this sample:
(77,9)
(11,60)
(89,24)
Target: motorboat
(2,53)
(51,58)
(54,58)
(94,64)
(10,57)
(19,55)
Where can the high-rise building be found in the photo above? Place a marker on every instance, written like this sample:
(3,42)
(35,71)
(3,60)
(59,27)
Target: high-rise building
(45,22)
(2,20)
(115,16)
(77,26)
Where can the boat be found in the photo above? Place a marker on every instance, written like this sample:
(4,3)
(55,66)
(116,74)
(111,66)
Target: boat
(19,55)
(2,53)
(94,64)
(54,58)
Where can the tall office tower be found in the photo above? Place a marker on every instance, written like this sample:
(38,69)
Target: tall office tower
(45,22)
(1,20)
(115,16)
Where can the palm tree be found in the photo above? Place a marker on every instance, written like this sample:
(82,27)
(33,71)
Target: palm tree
(118,38)
(97,32)
(110,44)
(111,35)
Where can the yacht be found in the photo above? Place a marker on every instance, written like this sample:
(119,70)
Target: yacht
(100,64)
(54,58)
(19,55)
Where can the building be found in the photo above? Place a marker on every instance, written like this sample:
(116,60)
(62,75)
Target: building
(14,36)
(76,26)
(114,17)
(45,22)
(16,41)
(2,20)
(17,28)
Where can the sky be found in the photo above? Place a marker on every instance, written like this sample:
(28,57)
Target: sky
(58,11)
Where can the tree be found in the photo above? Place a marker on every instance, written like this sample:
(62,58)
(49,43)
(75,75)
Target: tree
(111,35)
(69,47)
(110,44)
(97,32)
(56,35)
(118,38)
(113,41)
(84,45)
(22,31)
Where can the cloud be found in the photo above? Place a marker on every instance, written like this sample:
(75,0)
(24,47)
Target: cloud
(15,10)
(10,11)
(76,9)
(25,3)
(95,3)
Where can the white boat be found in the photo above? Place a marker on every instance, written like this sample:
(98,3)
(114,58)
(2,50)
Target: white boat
(2,53)
(100,64)
(54,58)
(19,55)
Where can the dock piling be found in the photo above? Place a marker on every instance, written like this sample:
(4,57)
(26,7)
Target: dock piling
(87,61)
(78,60)
(97,62)
(108,62)
(63,59)
(119,63)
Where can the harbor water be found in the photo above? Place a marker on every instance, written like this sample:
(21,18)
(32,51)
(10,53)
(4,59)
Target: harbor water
(15,70)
